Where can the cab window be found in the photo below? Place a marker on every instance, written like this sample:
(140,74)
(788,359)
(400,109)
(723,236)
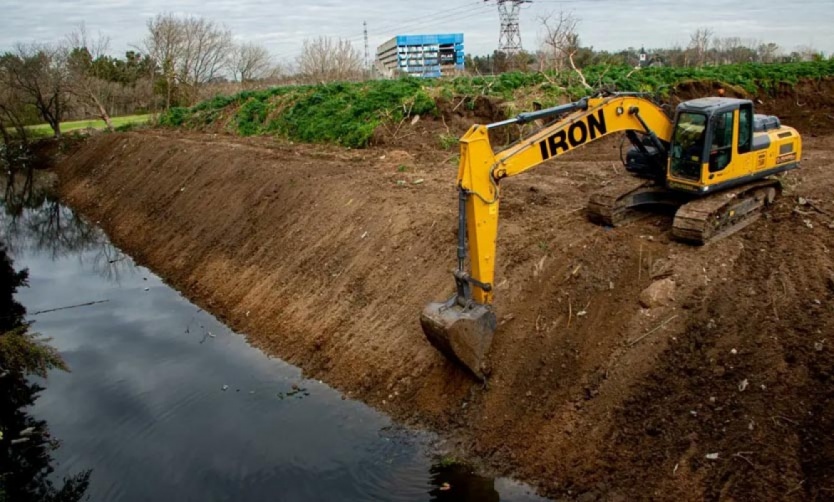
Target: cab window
(688,145)
(745,128)
(721,151)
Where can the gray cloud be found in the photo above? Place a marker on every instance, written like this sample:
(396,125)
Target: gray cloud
(282,25)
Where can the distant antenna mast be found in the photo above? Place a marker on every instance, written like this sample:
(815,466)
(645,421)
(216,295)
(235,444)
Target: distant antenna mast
(367,51)
(509,40)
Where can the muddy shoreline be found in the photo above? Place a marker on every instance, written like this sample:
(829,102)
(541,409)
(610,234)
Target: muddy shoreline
(324,257)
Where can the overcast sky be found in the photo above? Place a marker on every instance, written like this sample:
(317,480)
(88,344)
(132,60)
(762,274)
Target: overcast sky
(282,25)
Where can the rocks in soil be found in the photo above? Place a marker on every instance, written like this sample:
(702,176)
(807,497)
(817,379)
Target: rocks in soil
(658,294)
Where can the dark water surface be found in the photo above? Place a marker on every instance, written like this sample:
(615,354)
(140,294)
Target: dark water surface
(163,402)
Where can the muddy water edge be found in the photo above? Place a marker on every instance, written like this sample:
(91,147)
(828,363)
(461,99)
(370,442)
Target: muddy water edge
(164,402)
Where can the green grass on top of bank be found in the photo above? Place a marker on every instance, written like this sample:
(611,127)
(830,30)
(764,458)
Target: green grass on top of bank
(348,113)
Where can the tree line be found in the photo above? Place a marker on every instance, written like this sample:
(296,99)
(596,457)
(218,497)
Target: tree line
(185,59)
(179,58)
(79,78)
(561,48)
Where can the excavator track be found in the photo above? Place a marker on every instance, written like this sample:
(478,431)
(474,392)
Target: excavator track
(716,216)
(614,206)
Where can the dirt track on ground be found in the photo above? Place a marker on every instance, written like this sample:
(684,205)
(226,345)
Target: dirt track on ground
(325,257)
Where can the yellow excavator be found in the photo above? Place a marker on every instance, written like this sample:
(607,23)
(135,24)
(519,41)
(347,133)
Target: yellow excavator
(714,161)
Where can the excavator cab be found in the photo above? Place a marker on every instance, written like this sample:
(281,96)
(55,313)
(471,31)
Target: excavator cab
(718,142)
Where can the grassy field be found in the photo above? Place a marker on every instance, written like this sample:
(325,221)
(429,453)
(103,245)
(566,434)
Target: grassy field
(42,130)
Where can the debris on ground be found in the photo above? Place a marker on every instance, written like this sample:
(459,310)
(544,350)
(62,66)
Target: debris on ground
(659,293)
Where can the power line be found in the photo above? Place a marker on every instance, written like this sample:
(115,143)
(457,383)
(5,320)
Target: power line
(459,9)
(441,16)
(419,20)
(412,24)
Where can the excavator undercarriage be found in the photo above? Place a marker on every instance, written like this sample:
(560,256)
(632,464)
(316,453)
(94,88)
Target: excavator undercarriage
(697,220)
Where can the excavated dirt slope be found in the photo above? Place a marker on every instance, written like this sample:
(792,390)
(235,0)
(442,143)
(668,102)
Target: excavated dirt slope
(326,256)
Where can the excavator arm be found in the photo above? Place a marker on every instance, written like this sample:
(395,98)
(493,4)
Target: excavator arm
(463,326)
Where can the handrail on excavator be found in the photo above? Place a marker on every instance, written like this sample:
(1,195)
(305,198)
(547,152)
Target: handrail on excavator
(581,104)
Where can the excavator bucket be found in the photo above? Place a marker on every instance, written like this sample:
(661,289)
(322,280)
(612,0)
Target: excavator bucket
(463,334)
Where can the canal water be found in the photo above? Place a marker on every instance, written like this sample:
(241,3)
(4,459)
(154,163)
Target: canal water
(164,402)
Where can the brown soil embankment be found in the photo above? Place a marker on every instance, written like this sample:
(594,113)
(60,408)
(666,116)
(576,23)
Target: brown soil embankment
(325,257)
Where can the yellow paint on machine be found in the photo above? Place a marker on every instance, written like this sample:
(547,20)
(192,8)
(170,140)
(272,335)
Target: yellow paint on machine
(481,169)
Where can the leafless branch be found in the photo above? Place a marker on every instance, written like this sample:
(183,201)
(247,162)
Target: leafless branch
(326,59)
(560,39)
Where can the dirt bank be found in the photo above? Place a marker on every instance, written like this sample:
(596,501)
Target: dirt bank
(326,256)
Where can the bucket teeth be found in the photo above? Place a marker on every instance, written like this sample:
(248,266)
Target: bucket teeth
(462,334)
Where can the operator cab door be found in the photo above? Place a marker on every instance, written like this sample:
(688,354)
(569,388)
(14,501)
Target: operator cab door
(721,151)
(689,142)
(746,162)
(730,155)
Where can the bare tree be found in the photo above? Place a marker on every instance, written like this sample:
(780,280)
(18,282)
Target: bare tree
(189,52)
(325,59)
(769,53)
(808,53)
(560,39)
(673,56)
(85,81)
(730,50)
(561,42)
(250,62)
(12,110)
(164,44)
(206,50)
(699,45)
(39,73)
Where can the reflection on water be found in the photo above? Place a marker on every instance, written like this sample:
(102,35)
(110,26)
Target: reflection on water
(36,221)
(27,448)
(165,403)
(26,445)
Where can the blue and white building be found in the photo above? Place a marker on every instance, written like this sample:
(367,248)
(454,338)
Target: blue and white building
(421,55)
